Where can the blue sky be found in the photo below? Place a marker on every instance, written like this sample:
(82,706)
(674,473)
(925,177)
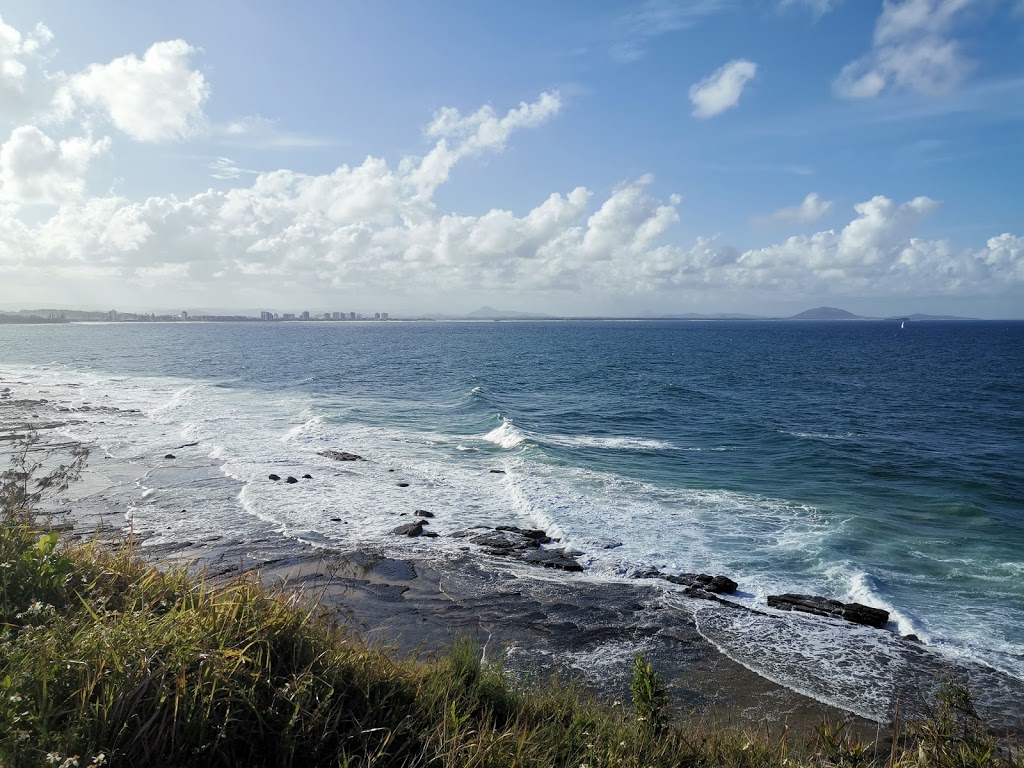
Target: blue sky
(710,155)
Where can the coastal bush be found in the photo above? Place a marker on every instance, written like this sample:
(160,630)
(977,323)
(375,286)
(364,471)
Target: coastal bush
(106,660)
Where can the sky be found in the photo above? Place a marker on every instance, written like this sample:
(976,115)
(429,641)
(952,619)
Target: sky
(579,157)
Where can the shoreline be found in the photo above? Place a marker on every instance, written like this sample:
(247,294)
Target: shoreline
(542,624)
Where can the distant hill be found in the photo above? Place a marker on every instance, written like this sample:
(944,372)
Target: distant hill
(490,313)
(826,313)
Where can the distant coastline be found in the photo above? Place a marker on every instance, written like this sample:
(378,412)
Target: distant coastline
(484,314)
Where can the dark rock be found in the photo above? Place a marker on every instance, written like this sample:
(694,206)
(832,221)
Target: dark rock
(822,606)
(291,480)
(403,485)
(307,477)
(274,477)
(504,540)
(721,585)
(912,639)
(530,533)
(430,535)
(553,558)
(410,529)
(335,519)
(170,456)
(423,513)
(497,471)
(342,456)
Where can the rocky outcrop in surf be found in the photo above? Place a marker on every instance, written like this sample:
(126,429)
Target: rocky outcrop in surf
(823,606)
(341,455)
(523,544)
(716,585)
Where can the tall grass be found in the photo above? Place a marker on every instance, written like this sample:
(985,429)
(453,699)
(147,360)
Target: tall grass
(105,660)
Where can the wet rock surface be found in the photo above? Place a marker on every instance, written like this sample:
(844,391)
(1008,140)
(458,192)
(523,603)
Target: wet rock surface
(696,582)
(822,606)
(341,455)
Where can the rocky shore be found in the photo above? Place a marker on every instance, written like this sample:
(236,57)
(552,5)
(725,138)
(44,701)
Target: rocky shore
(522,595)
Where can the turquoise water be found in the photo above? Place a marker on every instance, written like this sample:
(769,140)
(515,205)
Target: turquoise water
(857,460)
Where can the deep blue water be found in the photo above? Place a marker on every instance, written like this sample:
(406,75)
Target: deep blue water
(857,460)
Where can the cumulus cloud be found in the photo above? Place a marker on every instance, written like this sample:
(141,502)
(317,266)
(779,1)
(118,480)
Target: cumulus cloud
(156,98)
(722,89)
(377,228)
(913,50)
(460,136)
(36,169)
(17,51)
(811,209)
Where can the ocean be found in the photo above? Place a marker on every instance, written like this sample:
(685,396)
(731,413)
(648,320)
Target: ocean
(858,460)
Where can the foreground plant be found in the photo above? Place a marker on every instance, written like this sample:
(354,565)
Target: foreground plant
(105,660)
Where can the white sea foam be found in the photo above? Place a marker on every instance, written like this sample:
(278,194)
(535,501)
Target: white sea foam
(506,435)
(821,435)
(613,443)
(767,544)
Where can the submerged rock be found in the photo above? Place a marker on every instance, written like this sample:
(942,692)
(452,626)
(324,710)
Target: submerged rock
(273,477)
(291,480)
(823,606)
(341,455)
(410,529)
(423,513)
(170,456)
(307,477)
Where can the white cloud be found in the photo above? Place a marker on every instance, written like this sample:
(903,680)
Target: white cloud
(913,50)
(636,28)
(722,89)
(36,169)
(17,51)
(472,134)
(811,209)
(226,168)
(375,229)
(258,132)
(156,98)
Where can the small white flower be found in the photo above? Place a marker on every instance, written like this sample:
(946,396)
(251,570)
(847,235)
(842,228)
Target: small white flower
(14,697)
(53,758)
(99,759)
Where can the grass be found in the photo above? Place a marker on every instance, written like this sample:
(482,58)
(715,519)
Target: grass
(105,660)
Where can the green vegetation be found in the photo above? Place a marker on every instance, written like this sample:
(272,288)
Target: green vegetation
(105,660)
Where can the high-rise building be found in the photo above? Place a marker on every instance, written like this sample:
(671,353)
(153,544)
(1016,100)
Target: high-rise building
(266,315)
(337,315)
(305,315)
(383,315)
(288,316)
(376,315)
(351,315)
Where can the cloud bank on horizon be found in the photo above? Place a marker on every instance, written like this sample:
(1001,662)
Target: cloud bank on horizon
(386,228)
